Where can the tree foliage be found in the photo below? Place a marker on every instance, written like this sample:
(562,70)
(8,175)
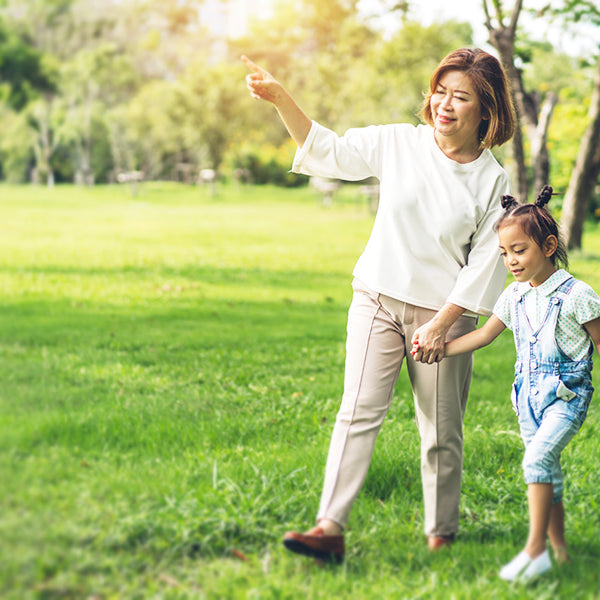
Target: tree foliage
(91,88)
(24,72)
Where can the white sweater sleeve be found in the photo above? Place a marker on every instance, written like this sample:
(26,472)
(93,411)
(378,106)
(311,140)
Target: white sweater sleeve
(481,280)
(354,156)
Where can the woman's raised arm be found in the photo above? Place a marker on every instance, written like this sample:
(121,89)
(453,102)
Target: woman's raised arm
(263,86)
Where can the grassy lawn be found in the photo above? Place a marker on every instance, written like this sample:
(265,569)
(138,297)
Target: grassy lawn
(170,368)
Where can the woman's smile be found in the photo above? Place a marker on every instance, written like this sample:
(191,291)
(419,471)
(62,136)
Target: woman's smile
(456,111)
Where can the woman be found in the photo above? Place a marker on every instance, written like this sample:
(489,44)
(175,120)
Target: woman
(431,265)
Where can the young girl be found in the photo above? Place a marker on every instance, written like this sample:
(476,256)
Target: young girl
(555,320)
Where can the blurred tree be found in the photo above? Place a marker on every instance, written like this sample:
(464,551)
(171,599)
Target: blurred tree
(60,27)
(24,72)
(585,173)
(162,37)
(211,111)
(566,130)
(90,72)
(49,129)
(93,81)
(587,166)
(16,145)
(148,133)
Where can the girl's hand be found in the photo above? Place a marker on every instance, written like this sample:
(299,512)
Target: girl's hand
(415,345)
(262,85)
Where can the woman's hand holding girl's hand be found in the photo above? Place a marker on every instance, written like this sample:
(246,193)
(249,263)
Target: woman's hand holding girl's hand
(428,343)
(262,85)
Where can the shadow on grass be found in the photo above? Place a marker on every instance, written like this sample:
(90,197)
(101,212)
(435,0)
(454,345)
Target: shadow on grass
(145,378)
(195,274)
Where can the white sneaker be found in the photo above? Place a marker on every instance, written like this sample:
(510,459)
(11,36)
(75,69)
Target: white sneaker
(538,566)
(525,568)
(517,565)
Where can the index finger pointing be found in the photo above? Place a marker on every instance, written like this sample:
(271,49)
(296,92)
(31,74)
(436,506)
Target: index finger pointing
(252,66)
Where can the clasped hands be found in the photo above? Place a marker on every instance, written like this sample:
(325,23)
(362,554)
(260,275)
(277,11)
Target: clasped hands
(428,344)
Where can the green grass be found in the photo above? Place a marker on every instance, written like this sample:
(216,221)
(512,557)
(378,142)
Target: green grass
(170,369)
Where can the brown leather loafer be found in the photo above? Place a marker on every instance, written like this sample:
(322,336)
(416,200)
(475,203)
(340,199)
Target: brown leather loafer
(437,542)
(328,548)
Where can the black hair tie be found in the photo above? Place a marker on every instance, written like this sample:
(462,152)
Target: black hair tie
(544,196)
(508,202)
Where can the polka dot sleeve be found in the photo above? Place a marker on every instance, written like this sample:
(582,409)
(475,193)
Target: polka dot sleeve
(502,308)
(585,303)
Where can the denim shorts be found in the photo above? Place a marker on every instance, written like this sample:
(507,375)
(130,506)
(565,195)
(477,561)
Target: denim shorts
(551,407)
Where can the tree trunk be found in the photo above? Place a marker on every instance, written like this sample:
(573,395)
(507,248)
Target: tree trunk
(538,136)
(518,155)
(584,175)
(502,37)
(535,118)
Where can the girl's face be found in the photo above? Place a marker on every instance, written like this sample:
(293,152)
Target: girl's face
(523,257)
(455,108)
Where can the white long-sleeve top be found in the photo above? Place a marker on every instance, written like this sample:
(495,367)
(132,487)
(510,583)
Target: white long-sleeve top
(433,240)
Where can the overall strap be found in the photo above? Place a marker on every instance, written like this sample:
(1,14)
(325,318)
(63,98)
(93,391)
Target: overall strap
(565,287)
(559,295)
(556,299)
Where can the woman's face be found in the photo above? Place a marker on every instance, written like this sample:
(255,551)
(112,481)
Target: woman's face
(456,109)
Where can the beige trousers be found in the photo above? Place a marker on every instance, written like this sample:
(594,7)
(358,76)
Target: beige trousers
(380,330)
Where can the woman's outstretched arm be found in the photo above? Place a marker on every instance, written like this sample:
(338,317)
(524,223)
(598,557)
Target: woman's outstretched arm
(263,86)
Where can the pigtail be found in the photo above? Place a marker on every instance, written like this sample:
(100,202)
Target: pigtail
(508,202)
(544,196)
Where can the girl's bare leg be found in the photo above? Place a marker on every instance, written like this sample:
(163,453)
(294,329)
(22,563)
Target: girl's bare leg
(556,533)
(539,496)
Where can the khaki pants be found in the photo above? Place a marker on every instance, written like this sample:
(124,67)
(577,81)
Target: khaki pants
(379,338)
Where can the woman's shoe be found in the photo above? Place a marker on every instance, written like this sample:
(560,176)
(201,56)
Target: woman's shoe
(314,543)
(437,542)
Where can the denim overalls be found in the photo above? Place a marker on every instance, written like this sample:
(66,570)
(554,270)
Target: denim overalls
(551,392)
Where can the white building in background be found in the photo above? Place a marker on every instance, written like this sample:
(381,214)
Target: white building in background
(231,19)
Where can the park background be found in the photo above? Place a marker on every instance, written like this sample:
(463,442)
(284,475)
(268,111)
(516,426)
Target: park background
(172,346)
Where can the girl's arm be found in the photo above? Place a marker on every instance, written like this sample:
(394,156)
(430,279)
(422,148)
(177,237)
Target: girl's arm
(467,343)
(593,328)
(264,86)
(479,338)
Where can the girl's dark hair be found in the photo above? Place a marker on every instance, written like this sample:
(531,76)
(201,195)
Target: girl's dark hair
(536,221)
(491,85)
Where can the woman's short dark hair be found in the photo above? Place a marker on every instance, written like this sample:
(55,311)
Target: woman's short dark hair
(491,85)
